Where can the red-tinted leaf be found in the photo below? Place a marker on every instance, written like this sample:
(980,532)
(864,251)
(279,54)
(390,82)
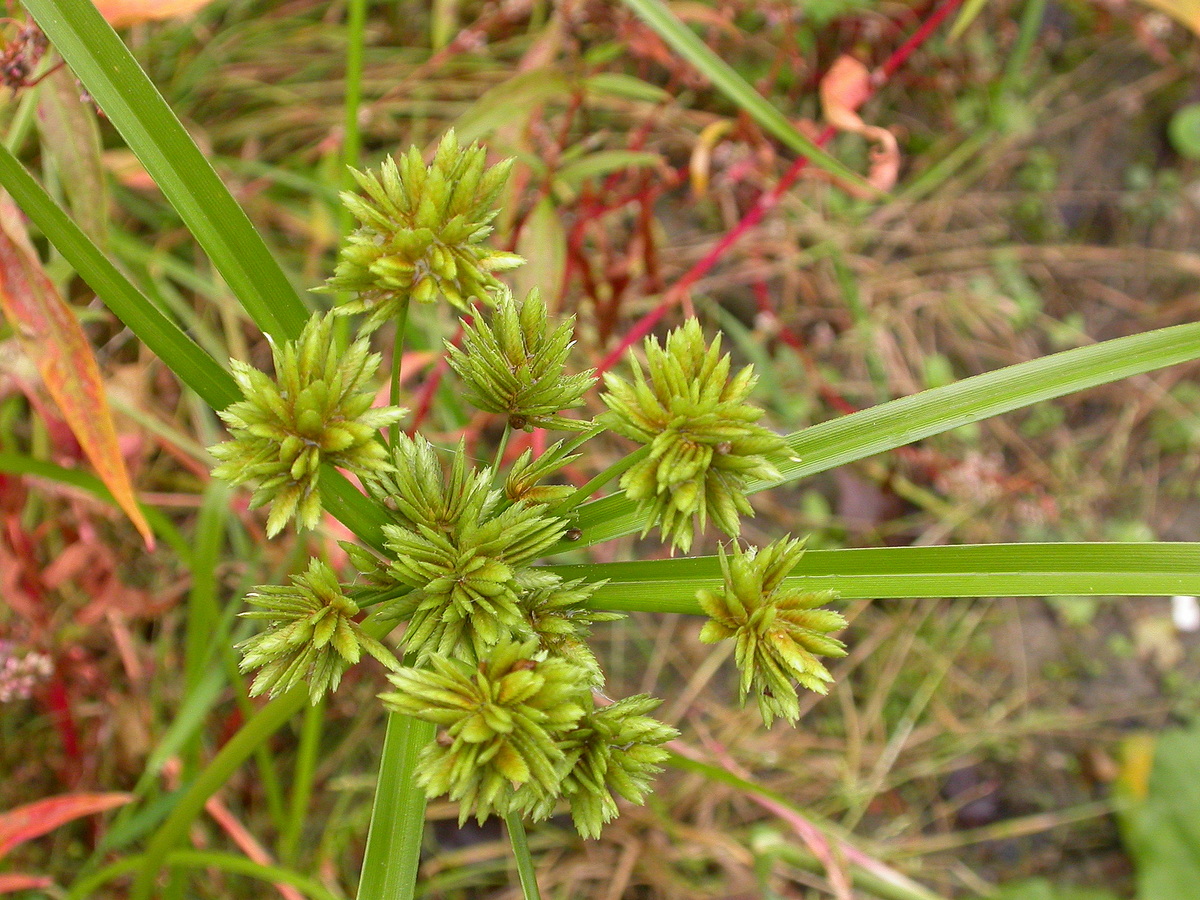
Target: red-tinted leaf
(42,816)
(10,884)
(130,12)
(53,338)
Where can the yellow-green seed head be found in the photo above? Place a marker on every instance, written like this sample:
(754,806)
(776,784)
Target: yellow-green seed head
(316,410)
(311,636)
(421,233)
(779,632)
(515,365)
(703,441)
(499,724)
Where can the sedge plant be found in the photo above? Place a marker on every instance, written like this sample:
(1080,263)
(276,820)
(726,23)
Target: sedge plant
(497,646)
(494,699)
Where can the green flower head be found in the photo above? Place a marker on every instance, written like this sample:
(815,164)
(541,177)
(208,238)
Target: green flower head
(421,232)
(461,550)
(311,635)
(526,474)
(612,751)
(316,410)
(704,443)
(515,365)
(779,631)
(499,725)
(557,614)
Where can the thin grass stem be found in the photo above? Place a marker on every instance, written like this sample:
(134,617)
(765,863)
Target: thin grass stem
(617,468)
(397,362)
(311,731)
(520,845)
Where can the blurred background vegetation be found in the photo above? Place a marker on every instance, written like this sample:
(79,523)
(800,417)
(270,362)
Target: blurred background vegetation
(1047,196)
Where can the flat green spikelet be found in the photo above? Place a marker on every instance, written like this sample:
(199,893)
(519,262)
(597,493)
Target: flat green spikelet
(421,233)
(316,410)
(704,443)
(779,632)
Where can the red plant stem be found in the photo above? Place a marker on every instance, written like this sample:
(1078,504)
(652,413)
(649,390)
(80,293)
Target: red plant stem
(901,54)
(59,707)
(765,202)
(768,199)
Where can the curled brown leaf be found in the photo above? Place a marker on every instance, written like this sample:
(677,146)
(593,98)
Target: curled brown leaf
(845,87)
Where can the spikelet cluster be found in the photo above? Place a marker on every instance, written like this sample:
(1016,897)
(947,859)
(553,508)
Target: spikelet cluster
(613,751)
(311,635)
(421,233)
(515,364)
(704,443)
(779,631)
(519,732)
(500,723)
(462,550)
(526,474)
(556,612)
(316,410)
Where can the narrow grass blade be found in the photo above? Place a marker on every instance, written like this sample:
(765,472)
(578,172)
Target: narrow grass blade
(240,865)
(71,143)
(876,877)
(968,570)
(909,419)
(111,75)
(393,854)
(162,336)
(732,85)
(171,833)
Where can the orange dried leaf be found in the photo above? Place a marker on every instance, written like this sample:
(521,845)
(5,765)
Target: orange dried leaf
(42,816)
(121,13)
(52,336)
(845,87)
(10,884)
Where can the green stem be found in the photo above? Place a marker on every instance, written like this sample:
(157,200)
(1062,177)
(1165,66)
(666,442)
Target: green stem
(1031,23)
(582,438)
(498,462)
(251,736)
(393,853)
(520,845)
(356,20)
(302,782)
(397,360)
(617,468)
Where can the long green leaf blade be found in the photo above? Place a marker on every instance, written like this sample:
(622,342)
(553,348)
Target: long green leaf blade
(393,853)
(112,76)
(732,85)
(968,570)
(899,422)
